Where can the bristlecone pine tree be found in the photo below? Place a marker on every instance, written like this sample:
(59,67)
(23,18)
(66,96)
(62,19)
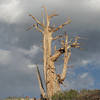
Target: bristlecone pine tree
(52,79)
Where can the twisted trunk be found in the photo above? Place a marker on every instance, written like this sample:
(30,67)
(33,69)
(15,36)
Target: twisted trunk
(51,81)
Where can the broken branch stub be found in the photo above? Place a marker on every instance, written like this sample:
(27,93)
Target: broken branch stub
(52,15)
(37,21)
(40,82)
(62,25)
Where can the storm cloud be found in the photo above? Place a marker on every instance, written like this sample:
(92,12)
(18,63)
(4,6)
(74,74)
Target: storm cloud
(20,50)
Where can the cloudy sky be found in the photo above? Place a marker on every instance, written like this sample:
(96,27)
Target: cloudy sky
(20,50)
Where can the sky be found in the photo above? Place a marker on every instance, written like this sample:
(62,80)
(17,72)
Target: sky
(20,50)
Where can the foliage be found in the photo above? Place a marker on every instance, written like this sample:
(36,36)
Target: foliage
(77,95)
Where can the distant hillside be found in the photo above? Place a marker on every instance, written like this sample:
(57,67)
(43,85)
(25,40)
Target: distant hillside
(78,95)
(68,95)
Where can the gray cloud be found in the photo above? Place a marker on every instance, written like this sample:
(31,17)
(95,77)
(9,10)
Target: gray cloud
(15,73)
(83,80)
(19,49)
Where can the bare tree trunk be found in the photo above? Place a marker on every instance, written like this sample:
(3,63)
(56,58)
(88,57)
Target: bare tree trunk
(52,83)
(53,80)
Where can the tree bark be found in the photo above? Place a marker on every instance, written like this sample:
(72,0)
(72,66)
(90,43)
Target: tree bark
(52,84)
(53,80)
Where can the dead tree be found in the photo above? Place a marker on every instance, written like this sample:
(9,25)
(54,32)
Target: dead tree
(52,79)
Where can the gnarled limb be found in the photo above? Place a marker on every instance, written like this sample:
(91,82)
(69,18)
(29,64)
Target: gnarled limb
(40,82)
(37,21)
(75,44)
(36,26)
(47,17)
(61,26)
(65,47)
(29,28)
(43,18)
(67,55)
(66,58)
(57,54)
(58,37)
(52,15)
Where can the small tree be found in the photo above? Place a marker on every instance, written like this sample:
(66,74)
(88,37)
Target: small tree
(52,79)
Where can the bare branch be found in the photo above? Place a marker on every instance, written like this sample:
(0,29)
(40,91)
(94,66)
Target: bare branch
(66,58)
(36,26)
(58,53)
(47,17)
(67,55)
(70,66)
(29,28)
(65,46)
(55,47)
(45,9)
(40,82)
(62,43)
(58,37)
(70,40)
(37,21)
(43,18)
(52,15)
(75,44)
(61,26)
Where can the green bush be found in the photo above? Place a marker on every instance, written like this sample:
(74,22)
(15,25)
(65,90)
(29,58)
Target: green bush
(77,95)
(66,95)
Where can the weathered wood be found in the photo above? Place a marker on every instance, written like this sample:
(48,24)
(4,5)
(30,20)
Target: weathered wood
(40,82)
(66,59)
(53,80)
(62,25)
(37,21)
